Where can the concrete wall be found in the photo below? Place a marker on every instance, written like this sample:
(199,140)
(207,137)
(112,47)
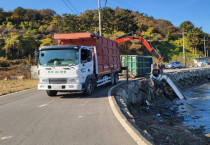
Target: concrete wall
(34,72)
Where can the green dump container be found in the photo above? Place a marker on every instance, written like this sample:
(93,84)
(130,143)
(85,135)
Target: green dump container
(137,64)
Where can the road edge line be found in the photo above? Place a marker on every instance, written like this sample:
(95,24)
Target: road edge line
(122,121)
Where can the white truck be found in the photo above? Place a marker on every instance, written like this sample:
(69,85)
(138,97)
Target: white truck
(80,62)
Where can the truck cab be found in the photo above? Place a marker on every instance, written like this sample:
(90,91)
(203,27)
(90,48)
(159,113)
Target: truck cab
(64,68)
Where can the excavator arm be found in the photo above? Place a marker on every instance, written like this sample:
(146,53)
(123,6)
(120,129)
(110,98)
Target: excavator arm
(127,37)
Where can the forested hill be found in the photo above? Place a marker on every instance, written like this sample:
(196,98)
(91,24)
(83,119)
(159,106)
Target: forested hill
(24,30)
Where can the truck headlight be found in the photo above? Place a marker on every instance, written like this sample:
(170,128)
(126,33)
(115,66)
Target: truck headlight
(73,80)
(44,81)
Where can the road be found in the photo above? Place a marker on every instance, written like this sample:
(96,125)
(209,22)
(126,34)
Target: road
(32,118)
(184,69)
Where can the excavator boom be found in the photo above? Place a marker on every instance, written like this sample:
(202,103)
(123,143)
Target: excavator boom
(125,38)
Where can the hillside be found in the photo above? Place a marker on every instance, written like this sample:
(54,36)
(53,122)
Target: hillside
(24,30)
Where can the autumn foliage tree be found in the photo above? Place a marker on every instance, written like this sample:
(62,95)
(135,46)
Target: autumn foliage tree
(24,30)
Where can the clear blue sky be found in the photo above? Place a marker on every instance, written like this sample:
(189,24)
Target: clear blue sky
(176,11)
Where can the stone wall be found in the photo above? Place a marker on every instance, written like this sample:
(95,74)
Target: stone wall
(187,79)
(135,92)
(142,90)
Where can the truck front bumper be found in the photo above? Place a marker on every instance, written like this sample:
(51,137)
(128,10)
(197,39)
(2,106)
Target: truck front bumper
(60,87)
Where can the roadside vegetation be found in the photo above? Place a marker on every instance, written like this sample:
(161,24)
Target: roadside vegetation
(22,31)
(10,86)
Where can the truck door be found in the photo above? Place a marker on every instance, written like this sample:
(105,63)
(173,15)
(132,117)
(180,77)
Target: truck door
(86,62)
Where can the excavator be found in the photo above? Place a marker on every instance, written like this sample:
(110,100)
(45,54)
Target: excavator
(157,72)
(131,36)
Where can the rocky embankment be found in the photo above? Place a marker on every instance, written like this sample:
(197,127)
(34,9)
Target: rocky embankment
(187,79)
(155,113)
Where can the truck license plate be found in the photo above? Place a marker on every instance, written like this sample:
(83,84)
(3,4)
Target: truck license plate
(56,87)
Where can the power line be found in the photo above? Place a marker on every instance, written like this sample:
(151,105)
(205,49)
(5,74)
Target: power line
(68,6)
(121,3)
(130,5)
(109,2)
(73,6)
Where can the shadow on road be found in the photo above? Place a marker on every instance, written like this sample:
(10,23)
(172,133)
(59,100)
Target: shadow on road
(100,92)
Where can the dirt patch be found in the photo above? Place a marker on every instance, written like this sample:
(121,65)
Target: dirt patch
(159,119)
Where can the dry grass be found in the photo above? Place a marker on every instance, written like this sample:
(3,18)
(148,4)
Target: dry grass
(13,71)
(10,86)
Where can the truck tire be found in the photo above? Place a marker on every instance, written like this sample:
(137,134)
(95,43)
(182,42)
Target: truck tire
(112,79)
(116,78)
(89,88)
(52,93)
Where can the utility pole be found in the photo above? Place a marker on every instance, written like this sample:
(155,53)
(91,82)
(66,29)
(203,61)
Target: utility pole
(184,51)
(99,15)
(204,45)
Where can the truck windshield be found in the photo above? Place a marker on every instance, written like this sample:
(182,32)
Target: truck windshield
(61,57)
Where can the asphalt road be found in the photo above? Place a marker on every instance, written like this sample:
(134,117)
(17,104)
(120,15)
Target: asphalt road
(184,69)
(33,118)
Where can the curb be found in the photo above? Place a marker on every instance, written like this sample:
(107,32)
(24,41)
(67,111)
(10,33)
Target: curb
(132,131)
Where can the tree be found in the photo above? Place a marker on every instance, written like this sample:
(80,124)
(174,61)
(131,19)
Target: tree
(43,29)
(32,15)
(68,24)
(18,15)
(194,39)
(125,21)
(88,21)
(13,46)
(46,42)
(108,20)
(20,46)
(47,14)
(20,11)
(52,28)
(186,26)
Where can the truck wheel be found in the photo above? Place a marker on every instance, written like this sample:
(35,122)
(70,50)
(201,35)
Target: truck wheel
(112,79)
(89,88)
(51,93)
(116,78)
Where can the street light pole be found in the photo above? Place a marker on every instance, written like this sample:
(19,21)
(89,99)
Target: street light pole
(184,51)
(99,15)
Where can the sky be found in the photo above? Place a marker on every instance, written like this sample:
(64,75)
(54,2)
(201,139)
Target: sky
(176,11)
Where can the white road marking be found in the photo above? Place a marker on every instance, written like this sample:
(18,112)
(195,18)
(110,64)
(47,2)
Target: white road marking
(43,105)
(123,122)
(5,137)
